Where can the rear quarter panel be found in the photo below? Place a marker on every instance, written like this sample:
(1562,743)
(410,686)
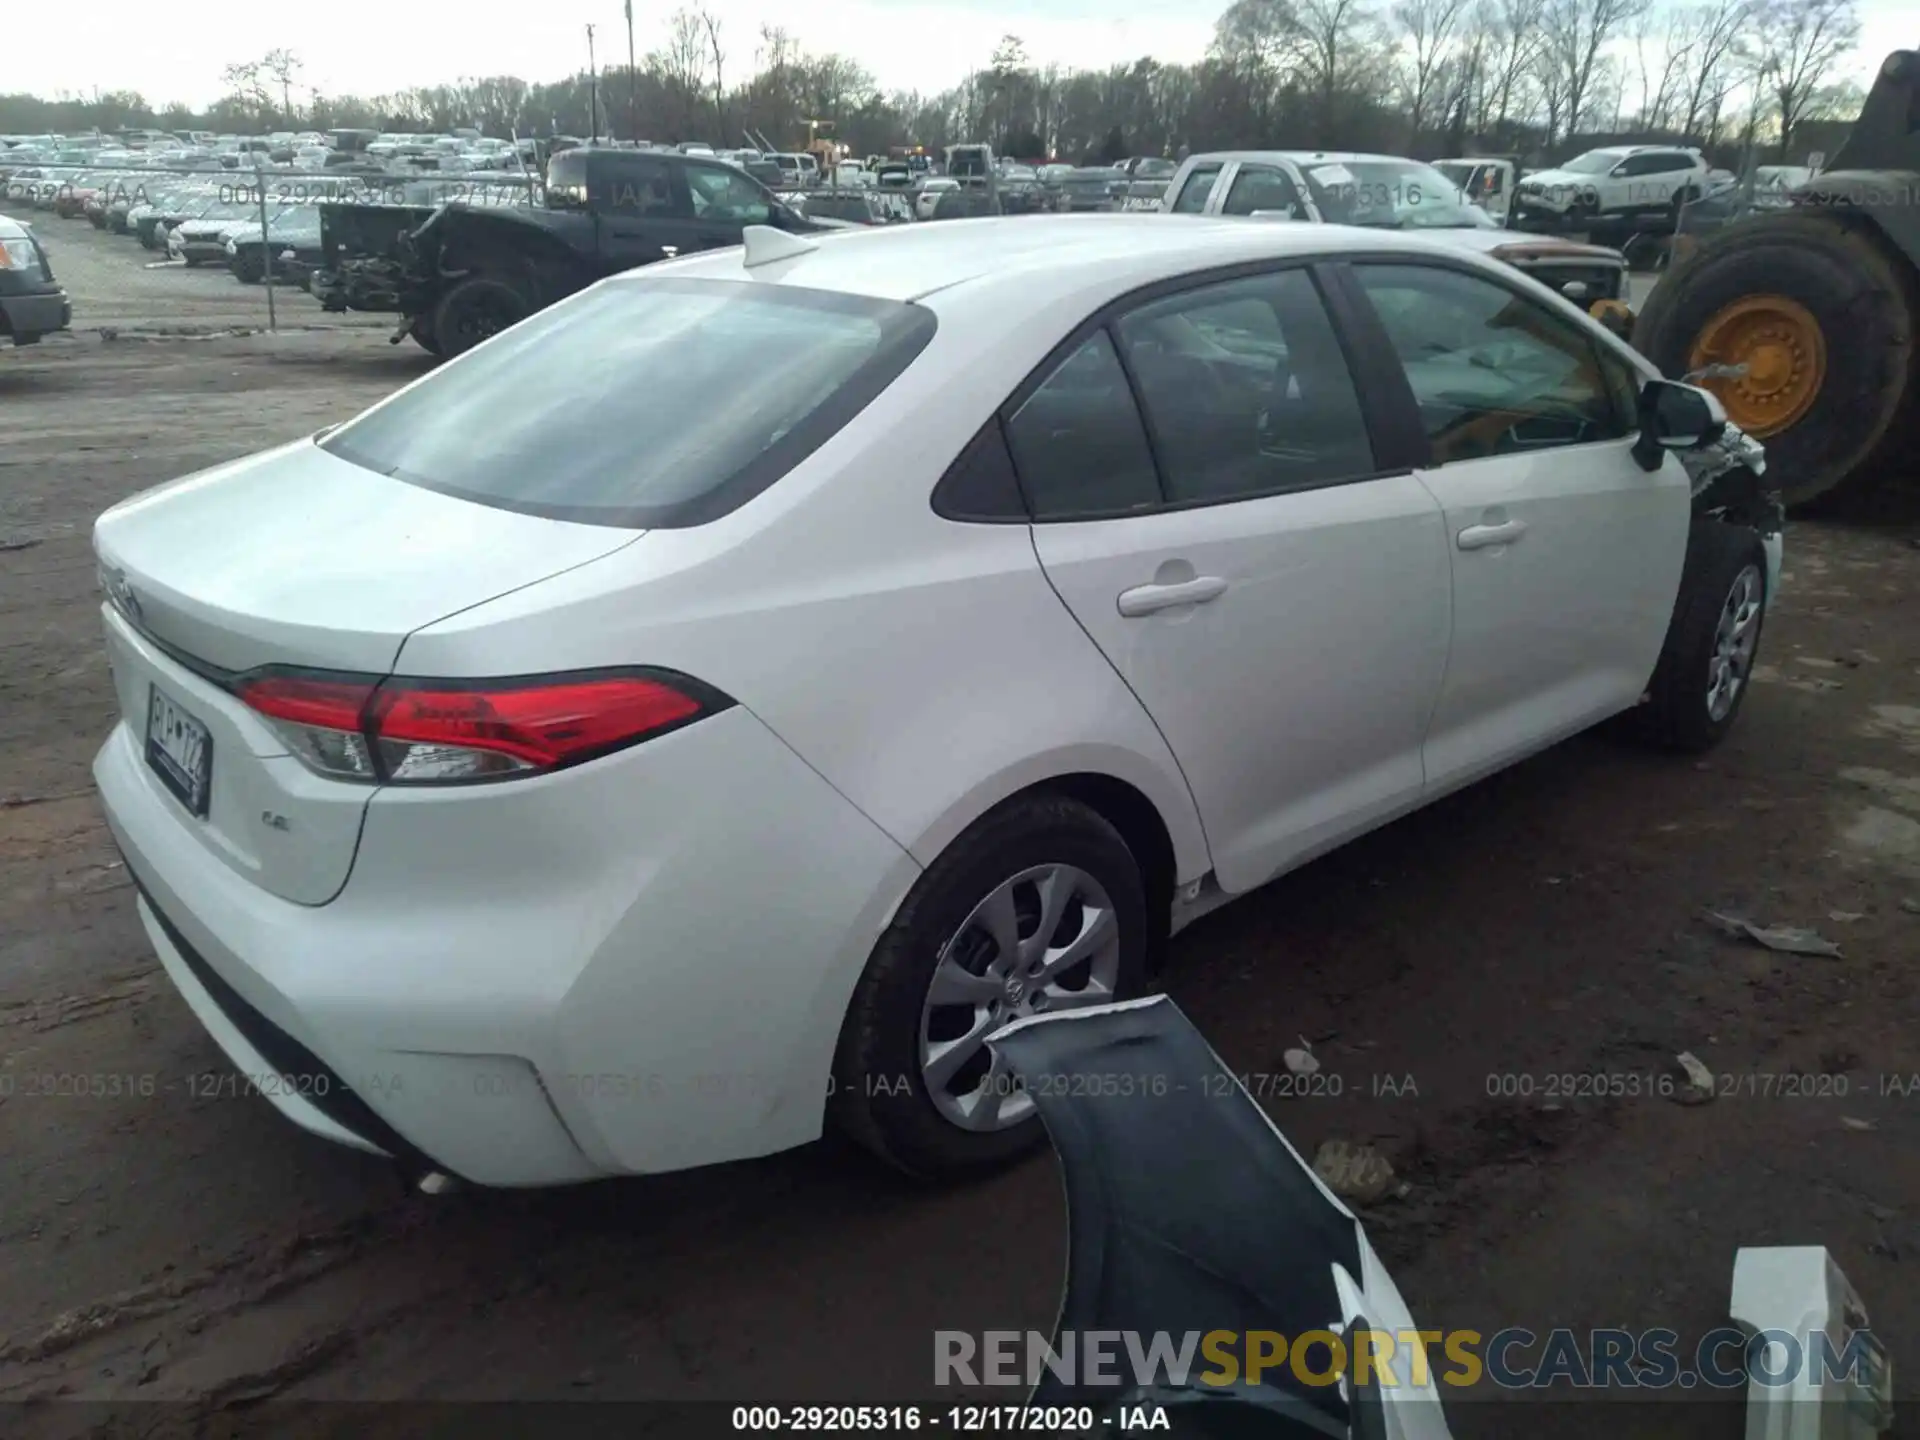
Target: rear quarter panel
(924,667)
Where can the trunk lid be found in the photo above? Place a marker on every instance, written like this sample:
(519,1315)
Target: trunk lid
(294,558)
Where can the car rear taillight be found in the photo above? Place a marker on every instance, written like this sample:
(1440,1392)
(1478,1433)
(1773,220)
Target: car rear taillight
(410,731)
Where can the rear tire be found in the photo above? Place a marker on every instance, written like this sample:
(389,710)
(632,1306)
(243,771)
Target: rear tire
(1712,644)
(475,310)
(882,1096)
(1859,293)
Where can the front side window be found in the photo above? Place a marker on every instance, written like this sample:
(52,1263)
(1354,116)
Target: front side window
(1194,190)
(722,194)
(642,402)
(1247,390)
(1078,443)
(1493,373)
(1390,195)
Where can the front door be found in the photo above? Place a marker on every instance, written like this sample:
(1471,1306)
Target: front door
(1229,541)
(1566,554)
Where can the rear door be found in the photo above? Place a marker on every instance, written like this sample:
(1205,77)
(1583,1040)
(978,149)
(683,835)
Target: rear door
(642,210)
(1566,554)
(1189,196)
(1254,186)
(1210,503)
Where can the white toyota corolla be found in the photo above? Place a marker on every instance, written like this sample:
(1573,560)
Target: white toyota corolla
(724,699)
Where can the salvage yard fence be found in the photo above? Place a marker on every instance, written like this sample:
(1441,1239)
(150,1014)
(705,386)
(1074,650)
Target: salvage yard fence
(60,188)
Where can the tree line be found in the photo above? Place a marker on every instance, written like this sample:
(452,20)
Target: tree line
(1537,78)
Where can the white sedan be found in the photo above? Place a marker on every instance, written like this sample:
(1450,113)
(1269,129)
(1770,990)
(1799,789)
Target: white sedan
(722,700)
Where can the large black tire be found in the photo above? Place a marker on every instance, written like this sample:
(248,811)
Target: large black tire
(423,335)
(1861,294)
(1723,563)
(880,1095)
(476,309)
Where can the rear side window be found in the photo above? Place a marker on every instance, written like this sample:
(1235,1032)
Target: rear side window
(1194,190)
(1247,390)
(644,402)
(1078,441)
(1260,187)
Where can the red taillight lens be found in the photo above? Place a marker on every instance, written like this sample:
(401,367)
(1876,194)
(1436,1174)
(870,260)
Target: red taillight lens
(540,726)
(406,731)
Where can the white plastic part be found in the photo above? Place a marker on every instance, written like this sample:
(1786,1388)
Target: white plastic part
(1797,1290)
(765,245)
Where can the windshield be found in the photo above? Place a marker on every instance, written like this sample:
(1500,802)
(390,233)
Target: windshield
(1390,195)
(1154,169)
(700,394)
(1594,162)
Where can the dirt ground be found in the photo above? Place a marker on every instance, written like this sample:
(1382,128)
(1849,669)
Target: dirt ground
(172,1247)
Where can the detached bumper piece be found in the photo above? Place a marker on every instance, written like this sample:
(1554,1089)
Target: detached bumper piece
(1187,1211)
(1840,1385)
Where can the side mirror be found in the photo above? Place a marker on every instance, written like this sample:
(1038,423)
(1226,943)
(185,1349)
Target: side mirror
(1676,417)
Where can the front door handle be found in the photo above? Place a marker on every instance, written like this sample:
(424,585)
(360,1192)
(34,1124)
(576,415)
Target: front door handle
(1479,537)
(1145,599)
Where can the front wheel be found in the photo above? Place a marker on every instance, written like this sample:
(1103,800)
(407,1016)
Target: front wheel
(475,310)
(1713,641)
(1039,907)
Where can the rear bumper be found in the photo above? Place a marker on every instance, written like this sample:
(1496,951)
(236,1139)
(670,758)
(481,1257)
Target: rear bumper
(543,983)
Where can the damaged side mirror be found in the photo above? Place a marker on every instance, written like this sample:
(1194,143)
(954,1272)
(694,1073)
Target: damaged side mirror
(1676,417)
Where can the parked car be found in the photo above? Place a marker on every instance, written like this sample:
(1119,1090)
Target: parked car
(1384,192)
(865,527)
(32,304)
(1621,186)
(464,271)
(203,239)
(1486,182)
(294,247)
(927,197)
(1093,188)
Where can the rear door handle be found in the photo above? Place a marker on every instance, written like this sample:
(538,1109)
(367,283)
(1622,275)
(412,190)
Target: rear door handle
(1145,599)
(1479,537)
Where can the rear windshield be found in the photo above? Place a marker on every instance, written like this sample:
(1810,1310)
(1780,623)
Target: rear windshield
(642,403)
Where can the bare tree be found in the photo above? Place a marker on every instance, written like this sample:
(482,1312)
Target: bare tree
(282,67)
(681,65)
(1660,89)
(711,23)
(1577,34)
(1797,44)
(1516,24)
(1328,48)
(1717,30)
(1426,33)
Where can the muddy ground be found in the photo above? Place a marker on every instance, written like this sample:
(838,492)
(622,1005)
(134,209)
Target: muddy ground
(158,1244)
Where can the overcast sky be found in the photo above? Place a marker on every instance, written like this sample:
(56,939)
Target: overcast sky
(367,47)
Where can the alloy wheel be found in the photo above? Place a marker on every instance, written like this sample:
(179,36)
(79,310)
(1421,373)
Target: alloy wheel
(1044,940)
(1734,641)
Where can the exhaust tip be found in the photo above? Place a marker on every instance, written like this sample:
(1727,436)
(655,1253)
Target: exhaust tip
(435,1182)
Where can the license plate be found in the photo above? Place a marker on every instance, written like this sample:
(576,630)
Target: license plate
(180,751)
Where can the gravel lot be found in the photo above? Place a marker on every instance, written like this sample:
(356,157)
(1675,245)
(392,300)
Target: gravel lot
(192,1247)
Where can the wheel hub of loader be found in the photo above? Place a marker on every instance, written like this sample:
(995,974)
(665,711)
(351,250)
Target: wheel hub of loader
(1780,343)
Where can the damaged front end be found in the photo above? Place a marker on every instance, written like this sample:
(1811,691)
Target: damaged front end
(368,261)
(1730,484)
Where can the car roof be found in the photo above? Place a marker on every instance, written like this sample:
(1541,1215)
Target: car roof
(1089,256)
(1302,157)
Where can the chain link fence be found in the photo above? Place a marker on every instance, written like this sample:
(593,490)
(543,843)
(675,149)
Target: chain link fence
(188,214)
